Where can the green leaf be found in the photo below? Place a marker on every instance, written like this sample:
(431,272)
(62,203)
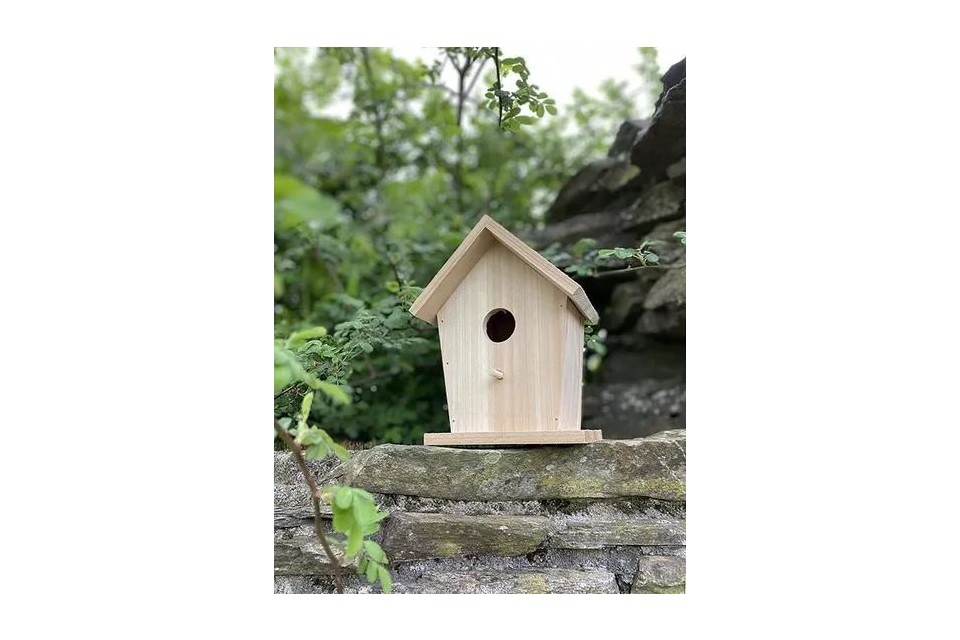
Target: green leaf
(278,287)
(552,110)
(375,551)
(385,583)
(372,570)
(354,540)
(363,493)
(311,435)
(343,498)
(396,320)
(305,406)
(393,286)
(282,378)
(342,520)
(539,110)
(366,346)
(339,451)
(317,452)
(299,337)
(651,258)
(332,390)
(621,253)
(524,120)
(307,206)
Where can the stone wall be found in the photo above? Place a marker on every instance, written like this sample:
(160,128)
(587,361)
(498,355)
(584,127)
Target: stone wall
(636,193)
(607,517)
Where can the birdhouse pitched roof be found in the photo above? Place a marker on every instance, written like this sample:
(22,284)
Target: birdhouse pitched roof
(481,238)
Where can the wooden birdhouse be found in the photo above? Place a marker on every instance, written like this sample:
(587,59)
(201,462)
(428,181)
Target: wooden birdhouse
(511,338)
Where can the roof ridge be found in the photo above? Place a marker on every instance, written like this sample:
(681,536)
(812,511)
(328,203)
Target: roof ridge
(466,255)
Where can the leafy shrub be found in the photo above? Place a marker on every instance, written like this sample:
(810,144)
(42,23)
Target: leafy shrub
(380,171)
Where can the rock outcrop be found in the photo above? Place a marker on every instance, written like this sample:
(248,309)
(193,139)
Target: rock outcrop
(607,517)
(636,194)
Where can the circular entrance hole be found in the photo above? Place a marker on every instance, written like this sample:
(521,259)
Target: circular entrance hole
(499,325)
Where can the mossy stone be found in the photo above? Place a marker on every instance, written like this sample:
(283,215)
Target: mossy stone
(414,536)
(660,574)
(653,467)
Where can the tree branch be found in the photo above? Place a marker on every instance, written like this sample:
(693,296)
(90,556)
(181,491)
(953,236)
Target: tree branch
(314,500)
(496,62)
(616,272)
(377,116)
(476,76)
(293,386)
(462,73)
(393,265)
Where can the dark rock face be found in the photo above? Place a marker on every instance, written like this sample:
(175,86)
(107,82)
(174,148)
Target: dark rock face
(627,137)
(608,517)
(625,407)
(591,187)
(665,141)
(644,311)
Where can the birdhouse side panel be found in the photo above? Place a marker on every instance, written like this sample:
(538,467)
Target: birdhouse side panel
(502,335)
(571,386)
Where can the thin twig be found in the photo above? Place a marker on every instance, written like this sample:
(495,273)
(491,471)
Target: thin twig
(293,386)
(393,265)
(616,272)
(314,499)
(377,117)
(458,166)
(476,76)
(453,61)
(496,63)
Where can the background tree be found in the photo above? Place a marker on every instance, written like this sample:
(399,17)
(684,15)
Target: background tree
(380,170)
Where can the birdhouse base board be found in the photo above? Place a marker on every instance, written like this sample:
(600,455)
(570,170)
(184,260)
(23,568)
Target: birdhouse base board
(512,437)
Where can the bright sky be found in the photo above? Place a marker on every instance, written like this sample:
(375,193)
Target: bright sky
(559,70)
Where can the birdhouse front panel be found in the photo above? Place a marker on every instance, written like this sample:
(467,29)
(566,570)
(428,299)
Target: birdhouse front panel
(512,348)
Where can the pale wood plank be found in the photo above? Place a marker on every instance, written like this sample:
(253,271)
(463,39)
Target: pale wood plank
(532,361)
(453,271)
(458,266)
(571,369)
(545,268)
(582,436)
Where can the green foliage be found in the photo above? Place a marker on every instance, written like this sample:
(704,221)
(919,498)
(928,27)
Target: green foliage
(319,444)
(380,170)
(586,260)
(594,343)
(355,513)
(356,516)
(641,254)
(289,368)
